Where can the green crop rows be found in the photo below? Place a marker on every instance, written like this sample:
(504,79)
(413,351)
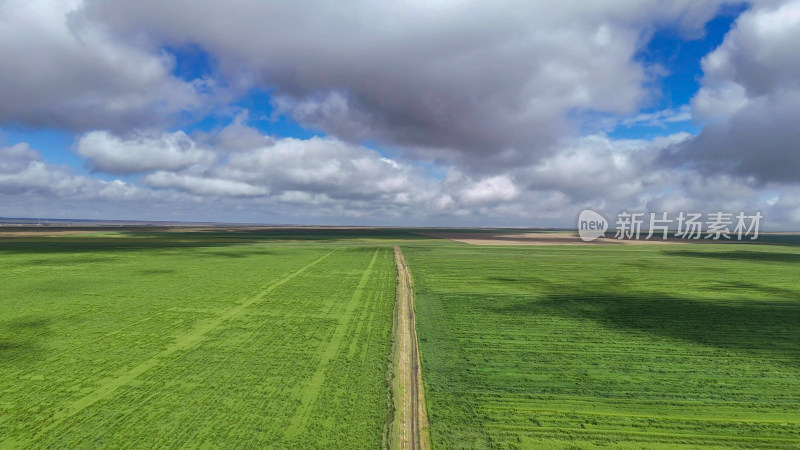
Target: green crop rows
(190,339)
(614,346)
(282,339)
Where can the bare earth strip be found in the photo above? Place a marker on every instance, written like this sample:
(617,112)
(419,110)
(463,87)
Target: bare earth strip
(44,232)
(555,238)
(410,428)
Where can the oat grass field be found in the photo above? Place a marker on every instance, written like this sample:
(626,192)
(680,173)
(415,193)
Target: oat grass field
(227,340)
(610,346)
(283,338)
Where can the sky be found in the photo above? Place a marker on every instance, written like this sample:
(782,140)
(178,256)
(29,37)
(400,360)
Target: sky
(399,113)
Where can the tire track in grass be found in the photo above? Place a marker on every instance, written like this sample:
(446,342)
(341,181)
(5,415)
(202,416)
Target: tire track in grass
(312,389)
(183,343)
(365,320)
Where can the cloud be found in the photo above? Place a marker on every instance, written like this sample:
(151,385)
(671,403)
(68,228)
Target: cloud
(489,190)
(720,101)
(238,136)
(759,53)
(751,97)
(596,167)
(22,172)
(324,180)
(141,152)
(16,158)
(660,118)
(474,107)
(294,171)
(203,185)
(761,140)
(486,86)
(322,165)
(62,70)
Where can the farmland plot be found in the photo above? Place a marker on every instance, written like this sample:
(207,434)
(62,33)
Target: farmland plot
(638,346)
(130,342)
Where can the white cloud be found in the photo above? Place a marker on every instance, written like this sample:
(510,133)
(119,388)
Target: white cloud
(758,59)
(760,52)
(239,136)
(322,165)
(660,118)
(203,185)
(329,181)
(141,152)
(490,190)
(719,102)
(751,95)
(23,172)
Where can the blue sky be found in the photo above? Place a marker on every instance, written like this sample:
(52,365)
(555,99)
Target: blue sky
(681,58)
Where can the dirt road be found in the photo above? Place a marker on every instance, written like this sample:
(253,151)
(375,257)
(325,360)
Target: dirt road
(548,238)
(411,428)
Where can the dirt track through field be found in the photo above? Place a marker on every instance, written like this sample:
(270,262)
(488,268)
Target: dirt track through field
(546,238)
(413,427)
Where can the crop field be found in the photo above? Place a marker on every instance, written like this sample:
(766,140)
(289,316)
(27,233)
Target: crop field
(195,339)
(283,338)
(612,346)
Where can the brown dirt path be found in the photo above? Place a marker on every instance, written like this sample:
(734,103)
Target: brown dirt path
(560,238)
(410,429)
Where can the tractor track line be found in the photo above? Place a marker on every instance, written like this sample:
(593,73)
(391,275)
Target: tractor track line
(184,343)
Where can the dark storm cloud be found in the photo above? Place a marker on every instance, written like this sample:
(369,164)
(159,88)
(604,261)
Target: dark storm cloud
(61,70)
(484,85)
(761,140)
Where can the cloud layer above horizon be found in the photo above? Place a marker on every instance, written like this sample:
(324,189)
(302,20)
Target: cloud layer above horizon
(398,113)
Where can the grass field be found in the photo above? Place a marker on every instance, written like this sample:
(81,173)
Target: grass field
(614,346)
(283,339)
(195,339)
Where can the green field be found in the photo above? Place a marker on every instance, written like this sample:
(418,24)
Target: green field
(613,346)
(282,339)
(195,339)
